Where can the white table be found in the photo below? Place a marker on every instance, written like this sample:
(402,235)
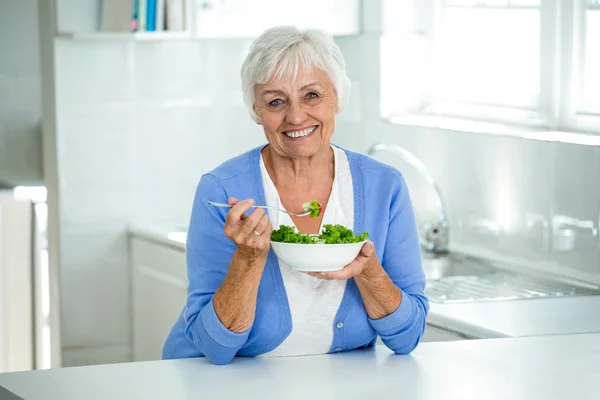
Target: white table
(549,367)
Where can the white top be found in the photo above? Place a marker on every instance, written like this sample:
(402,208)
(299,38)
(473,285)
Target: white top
(313,302)
(548,368)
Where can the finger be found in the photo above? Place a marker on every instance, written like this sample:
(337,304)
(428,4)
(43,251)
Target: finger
(262,225)
(265,241)
(320,275)
(361,260)
(235,214)
(345,273)
(367,250)
(269,229)
(258,237)
(232,201)
(356,266)
(251,223)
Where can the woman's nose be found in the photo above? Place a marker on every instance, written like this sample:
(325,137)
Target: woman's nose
(295,114)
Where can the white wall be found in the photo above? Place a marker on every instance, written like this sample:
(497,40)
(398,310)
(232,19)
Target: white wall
(139,122)
(137,125)
(20,93)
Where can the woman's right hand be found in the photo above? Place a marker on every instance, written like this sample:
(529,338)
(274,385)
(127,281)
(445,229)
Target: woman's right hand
(252,233)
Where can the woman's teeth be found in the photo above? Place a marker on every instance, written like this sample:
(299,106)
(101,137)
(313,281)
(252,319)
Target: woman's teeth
(305,132)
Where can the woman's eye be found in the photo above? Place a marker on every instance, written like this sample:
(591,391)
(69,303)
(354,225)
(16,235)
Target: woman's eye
(276,102)
(312,95)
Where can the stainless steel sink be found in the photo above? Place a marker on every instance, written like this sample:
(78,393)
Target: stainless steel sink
(456,278)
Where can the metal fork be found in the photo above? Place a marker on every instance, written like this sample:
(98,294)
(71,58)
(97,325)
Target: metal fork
(302,214)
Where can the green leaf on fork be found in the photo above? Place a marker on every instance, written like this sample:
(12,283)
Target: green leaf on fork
(313,207)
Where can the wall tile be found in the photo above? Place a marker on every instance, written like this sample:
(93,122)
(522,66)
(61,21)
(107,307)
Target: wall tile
(576,207)
(225,59)
(509,195)
(94,72)
(95,163)
(175,146)
(171,71)
(445,156)
(78,15)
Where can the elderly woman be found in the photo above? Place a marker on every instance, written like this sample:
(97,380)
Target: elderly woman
(241,300)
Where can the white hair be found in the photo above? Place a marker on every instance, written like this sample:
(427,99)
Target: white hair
(283,51)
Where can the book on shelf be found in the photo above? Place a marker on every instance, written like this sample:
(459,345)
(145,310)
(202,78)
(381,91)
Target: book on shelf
(134,15)
(155,15)
(175,18)
(160,15)
(116,15)
(151,16)
(142,15)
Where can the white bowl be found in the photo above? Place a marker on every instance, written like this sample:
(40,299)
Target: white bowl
(316,257)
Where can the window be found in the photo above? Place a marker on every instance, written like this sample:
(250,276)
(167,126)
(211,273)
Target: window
(481,61)
(591,57)
(529,62)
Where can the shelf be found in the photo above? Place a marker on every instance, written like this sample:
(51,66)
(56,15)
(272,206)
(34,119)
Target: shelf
(159,35)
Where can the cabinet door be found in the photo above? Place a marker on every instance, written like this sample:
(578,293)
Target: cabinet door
(437,334)
(159,293)
(243,18)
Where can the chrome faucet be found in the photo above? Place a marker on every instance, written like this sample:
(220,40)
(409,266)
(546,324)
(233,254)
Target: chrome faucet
(433,235)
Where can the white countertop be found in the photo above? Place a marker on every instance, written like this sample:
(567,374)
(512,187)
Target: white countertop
(162,234)
(516,318)
(550,367)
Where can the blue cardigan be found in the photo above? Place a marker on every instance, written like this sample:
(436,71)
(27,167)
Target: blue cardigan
(382,207)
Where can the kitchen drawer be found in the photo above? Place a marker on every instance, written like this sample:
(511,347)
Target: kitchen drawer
(159,293)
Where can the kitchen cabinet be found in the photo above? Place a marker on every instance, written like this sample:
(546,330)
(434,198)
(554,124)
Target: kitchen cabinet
(158,294)
(242,18)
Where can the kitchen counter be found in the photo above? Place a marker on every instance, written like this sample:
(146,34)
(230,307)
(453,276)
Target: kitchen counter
(519,318)
(515,318)
(550,367)
(163,234)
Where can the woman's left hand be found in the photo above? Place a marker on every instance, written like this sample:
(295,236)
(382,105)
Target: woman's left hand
(365,262)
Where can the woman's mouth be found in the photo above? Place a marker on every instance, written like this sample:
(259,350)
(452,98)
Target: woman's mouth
(300,133)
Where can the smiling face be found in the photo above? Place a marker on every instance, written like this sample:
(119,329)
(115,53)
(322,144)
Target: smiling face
(298,116)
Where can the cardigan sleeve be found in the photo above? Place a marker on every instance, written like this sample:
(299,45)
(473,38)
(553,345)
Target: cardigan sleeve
(208,255)
(402,330)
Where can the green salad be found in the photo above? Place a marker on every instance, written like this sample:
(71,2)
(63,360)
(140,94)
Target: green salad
(331,234)
(313,207)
